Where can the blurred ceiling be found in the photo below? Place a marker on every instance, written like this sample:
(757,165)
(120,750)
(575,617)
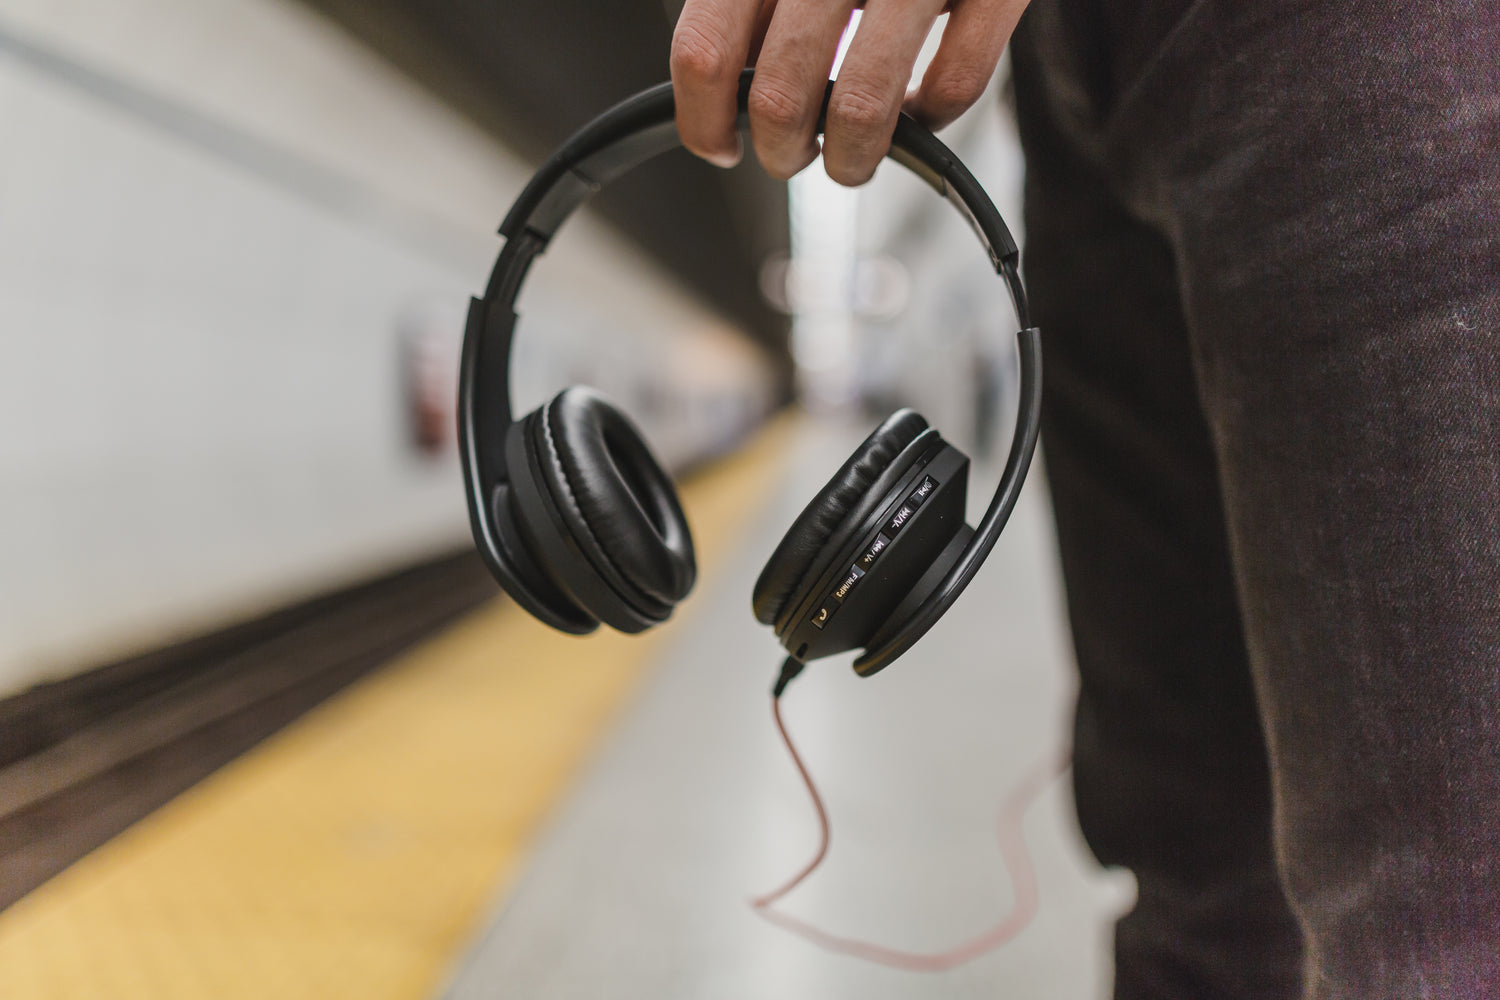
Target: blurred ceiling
(532,71)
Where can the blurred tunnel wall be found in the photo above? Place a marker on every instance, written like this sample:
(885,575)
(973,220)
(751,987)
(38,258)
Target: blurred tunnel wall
(223,227)
(896,302)
(533,71)
(946,345)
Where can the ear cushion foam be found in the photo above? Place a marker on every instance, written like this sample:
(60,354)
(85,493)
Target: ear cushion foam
(551,533)
(529,585)
(620,505)
(806,537)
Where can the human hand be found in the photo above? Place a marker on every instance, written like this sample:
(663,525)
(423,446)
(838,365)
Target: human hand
(792,44)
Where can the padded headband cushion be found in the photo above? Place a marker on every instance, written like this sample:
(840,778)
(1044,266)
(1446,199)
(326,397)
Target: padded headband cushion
(604,473)
(820,519)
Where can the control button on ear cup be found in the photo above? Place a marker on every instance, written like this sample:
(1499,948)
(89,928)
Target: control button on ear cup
(618,502)
(818,521)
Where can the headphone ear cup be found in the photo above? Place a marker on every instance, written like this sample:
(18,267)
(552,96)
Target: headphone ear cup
(605,518)
(822,517)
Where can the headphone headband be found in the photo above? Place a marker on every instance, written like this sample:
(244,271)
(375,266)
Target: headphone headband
(643,127)
(634,131)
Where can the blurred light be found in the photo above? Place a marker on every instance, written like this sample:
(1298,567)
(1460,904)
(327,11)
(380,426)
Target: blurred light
(881,288)
(824,218)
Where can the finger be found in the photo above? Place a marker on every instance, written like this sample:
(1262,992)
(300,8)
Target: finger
(758,36)
(977,33)
(872,82)
(790,79)
(709,48)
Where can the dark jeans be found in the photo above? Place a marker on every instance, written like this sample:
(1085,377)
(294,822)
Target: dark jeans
(1263,241)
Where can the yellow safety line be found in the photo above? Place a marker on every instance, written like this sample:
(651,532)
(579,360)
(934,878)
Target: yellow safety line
(352,854)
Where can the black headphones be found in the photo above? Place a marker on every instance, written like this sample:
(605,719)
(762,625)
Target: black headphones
(577,521)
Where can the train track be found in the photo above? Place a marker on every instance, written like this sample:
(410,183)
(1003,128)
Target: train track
(83,758)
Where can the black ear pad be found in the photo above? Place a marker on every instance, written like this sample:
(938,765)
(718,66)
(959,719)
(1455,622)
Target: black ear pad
(625,500)
(526,581)
(625,553)
(818,521)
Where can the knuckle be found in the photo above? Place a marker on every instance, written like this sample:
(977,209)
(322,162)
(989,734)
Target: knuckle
(699,54)
(958,90)
(858,111)
(859,119)
(773,106)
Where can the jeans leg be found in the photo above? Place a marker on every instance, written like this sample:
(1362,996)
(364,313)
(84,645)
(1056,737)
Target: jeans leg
(1329,175)
(1170,770)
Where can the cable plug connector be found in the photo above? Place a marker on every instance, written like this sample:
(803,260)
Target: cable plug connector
(789,671)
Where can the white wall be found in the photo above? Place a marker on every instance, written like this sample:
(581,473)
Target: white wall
(217,218)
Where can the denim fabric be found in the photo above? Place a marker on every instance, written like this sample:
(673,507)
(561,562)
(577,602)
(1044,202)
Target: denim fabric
(1264,249)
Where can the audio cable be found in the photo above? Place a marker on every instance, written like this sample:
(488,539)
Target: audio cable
(1013,849)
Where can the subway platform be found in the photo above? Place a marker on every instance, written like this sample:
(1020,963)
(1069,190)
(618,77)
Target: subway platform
(507,812)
